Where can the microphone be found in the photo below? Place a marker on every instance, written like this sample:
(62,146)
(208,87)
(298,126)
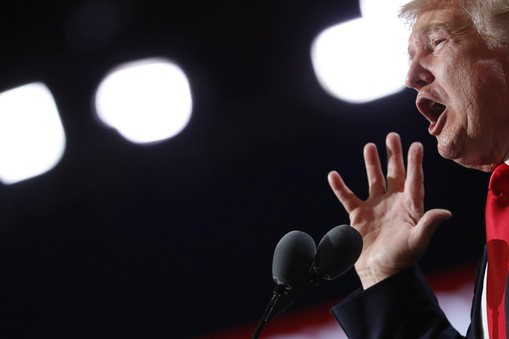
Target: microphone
(297,265)
(291,264)
(292,260)
(337,252)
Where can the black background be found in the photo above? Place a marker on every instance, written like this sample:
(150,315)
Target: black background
(176,239)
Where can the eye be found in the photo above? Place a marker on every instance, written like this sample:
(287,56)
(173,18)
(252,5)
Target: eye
(437,43)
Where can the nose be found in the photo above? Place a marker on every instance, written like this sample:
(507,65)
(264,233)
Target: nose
(418,76)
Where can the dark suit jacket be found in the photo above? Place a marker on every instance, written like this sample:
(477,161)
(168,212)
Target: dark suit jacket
(404,307)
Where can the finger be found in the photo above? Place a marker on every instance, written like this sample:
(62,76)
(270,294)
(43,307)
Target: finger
(395,163)
(376,180)
(345,196)
(427,225)
(414,183)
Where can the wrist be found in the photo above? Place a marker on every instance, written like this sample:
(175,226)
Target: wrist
(372,276)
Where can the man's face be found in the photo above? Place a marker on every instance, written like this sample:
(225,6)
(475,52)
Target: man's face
(462,88)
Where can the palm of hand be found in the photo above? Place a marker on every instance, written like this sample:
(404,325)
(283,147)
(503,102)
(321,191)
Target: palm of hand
(395,229)
(387,224)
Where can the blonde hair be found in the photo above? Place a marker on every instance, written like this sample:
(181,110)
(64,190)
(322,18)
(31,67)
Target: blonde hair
(490,17)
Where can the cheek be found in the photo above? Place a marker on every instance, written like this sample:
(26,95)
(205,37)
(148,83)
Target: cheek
(493,68)
(475,88)
(463,80)
(491,89)
(460,89)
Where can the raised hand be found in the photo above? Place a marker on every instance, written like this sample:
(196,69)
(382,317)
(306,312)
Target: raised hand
(392,221)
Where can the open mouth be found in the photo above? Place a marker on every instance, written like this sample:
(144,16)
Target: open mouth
(432,110)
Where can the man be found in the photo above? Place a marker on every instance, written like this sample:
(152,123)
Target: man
(459,54)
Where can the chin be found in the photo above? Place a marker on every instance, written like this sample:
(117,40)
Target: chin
(467,156)
(481,164)
(447,152)
(482,168)
(455,155)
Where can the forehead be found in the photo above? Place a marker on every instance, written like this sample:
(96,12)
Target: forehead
(451,19)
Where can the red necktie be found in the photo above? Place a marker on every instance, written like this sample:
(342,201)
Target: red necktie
(497,236)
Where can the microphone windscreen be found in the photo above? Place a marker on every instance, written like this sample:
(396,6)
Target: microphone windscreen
(293,259)
(337,252)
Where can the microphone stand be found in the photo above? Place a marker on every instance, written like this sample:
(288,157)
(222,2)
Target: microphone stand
(279,291)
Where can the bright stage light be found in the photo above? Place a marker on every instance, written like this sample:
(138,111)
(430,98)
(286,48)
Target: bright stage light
(32,139)
(145,101)
(363,59)
(381,10)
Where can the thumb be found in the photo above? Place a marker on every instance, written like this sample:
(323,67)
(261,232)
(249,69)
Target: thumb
(428,224)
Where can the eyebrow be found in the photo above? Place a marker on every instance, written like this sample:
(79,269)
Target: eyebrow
(430,28)
(434,27)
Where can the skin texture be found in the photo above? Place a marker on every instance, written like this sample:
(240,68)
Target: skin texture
(451,67)
(392,222)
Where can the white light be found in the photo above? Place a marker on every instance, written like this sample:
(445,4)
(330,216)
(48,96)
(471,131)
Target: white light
(359,61)
(145,101)
(363,59)
(381,10)
(32,139)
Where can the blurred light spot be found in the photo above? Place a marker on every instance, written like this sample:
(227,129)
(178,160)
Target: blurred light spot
(32,139)
(145,101)
(381,10)
(363,59)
